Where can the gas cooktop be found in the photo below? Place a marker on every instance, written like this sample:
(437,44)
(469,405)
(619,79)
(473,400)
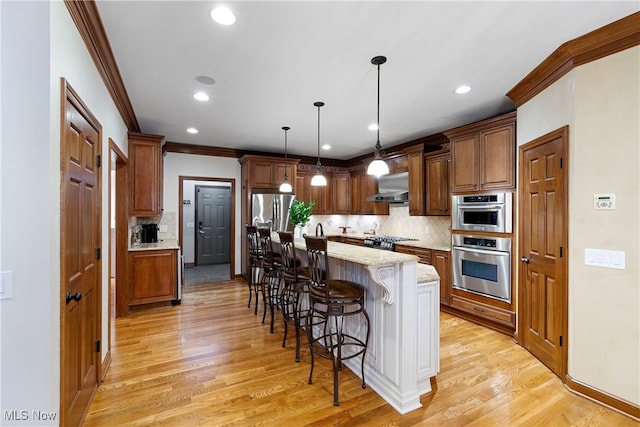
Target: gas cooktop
(388,238)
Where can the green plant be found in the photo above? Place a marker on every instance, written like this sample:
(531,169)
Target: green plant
(300,212)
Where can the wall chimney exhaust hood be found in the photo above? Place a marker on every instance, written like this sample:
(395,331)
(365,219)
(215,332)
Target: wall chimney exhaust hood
(392,189)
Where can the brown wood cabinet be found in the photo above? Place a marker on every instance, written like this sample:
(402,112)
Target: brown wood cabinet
(145,172)
(268,173)
(363,185)
(319,195)
(489,312)
(483,155)
(341,193)
(442,263)
(398,163)
(438,199)
(153,276)
(415,163)
(425,254)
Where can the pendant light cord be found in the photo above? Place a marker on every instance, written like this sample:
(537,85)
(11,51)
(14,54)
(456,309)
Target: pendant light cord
(318,104)
(378,119)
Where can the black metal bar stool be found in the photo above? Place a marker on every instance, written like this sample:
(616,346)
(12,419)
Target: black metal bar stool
(294,293)
(255,262)
(271,264)
(330,300)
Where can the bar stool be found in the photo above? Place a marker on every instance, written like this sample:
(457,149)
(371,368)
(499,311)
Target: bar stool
(271,264)
(332,299)
(255,262)
(294,296)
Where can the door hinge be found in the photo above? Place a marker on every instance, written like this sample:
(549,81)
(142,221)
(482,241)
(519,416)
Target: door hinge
(98,346)
(98,253)
(99,160)
(560,251)
(560,162)
(560,340)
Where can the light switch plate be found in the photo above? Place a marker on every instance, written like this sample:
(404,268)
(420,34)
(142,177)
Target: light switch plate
(163,228)
(605,258)
(6,285)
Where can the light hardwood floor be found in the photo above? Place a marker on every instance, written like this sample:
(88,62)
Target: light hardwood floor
(211,362)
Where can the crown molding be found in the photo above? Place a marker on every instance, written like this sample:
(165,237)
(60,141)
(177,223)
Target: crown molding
(605,41)
(87,19)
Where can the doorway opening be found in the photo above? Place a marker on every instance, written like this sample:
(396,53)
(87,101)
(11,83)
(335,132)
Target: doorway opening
(207,228)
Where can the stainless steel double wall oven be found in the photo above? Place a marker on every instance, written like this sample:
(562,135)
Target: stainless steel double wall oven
(481,262)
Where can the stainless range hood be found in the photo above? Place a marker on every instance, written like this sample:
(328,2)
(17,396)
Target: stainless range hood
(392,189)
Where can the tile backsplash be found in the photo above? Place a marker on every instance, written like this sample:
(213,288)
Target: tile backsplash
(432,229)
(166,223)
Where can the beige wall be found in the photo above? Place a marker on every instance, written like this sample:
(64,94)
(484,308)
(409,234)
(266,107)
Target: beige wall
(600,103)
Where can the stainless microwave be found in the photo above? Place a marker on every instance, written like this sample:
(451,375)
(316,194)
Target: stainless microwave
(483,212)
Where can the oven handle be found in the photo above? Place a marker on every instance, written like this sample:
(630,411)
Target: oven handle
(479,207)
(481,251)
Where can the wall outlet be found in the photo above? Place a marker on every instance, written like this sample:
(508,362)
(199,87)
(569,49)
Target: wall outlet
(427,229)
(190,225)
(163,228)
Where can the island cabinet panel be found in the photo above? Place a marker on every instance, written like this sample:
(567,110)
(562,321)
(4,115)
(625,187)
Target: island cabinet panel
(341,193)
(153,276)
(437,184)
(415,167)
(145,163)
(483,155)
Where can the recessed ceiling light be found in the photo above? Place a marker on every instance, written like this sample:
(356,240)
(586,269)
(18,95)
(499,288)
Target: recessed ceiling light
(326,147)
(192,130)
(462,89)
(373,127)
(205,80)
(201,96)
(223,15)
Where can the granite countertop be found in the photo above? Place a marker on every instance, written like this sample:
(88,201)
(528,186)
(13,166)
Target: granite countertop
(426,273)
(357,254)
(415,243)
(161,244)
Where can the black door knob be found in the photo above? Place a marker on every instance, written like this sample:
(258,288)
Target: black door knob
(76,297)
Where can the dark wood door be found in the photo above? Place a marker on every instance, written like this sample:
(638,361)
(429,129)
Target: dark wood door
(213,234)
(543,237)
(80,261)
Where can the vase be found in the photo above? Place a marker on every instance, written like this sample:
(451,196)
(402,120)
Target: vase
(299,231)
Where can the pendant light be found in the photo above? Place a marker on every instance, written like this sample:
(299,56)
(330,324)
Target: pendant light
(285,187)
(318,179)
(378,167)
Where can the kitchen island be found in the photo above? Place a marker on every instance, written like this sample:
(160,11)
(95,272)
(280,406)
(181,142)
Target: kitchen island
(402,300)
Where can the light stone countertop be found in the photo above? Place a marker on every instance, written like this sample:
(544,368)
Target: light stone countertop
(357,254)
(160,245)
(426,273)
(415,243)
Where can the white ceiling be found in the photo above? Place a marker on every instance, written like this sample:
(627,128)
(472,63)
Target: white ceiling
(280,57)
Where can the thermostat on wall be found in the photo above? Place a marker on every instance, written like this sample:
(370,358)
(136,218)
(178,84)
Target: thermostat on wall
(604,201)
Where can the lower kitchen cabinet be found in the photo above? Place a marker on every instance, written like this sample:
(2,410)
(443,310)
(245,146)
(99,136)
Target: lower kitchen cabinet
(442,264)
(153,276)
(485,311)
(424,254)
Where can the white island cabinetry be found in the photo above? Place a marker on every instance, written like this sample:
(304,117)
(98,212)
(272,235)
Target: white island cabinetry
(402,300)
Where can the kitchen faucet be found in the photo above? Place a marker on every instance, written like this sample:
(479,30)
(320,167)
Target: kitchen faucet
(321,230)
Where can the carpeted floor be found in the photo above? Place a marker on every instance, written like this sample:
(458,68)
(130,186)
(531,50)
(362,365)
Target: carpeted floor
(206,273)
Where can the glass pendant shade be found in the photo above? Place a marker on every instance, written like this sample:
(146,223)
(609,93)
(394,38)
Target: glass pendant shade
(285,187)
(318,179)
(378,167)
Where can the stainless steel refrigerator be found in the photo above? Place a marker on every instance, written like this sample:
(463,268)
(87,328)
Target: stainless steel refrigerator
(272,209)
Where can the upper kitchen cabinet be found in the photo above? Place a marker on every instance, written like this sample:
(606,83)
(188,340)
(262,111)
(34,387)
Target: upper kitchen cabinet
(268,172)
(320,196)
(415,167)
(363,185)
(145,163)
(437,184)
(341,193)
(483,155)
